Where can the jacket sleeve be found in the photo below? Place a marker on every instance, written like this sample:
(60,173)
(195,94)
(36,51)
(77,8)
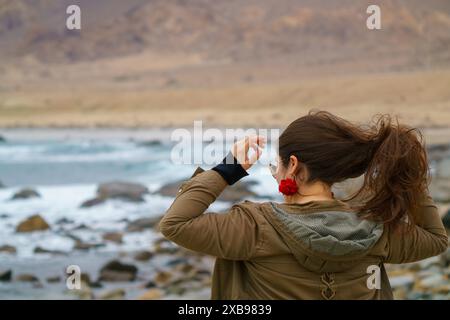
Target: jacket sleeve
(426,239)
(234,235)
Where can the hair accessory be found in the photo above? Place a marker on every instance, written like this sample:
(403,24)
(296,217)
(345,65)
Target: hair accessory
(288,187)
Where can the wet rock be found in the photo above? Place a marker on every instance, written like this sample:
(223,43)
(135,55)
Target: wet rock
(82,227)
(72,236)
(128,191)
(26,193)
(5,276)
(117,271)
(162,248)
(116,237)
(123,190)
(2,139)
(8,249)
(235,193)
(149,143)
(80,245)
(143,255)
(26,277)
(64,221)
(176,290)
(151,294)
(177,261)
(4,216)
(186,269)
(143,223)
(39,250)
(33,223)
(92,202)
(86,281)
(54,279)
(163,278)
(150,284)
(115,294)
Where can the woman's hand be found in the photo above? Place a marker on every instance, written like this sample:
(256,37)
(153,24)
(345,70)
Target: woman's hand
(240,150)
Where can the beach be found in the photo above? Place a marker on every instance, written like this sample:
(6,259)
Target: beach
(65,167)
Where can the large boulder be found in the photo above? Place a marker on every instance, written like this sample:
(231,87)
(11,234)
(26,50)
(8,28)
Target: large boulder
(128,191)
(122,190)
(235,193)
(143,223)
(116,237)
(33,223)
(26,193)
(118,271)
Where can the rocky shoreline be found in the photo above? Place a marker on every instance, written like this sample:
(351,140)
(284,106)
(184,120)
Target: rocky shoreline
(161,269)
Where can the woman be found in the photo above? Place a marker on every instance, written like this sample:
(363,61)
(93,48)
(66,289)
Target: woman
(314,246)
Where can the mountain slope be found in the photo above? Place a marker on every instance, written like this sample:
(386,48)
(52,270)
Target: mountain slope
(416,31)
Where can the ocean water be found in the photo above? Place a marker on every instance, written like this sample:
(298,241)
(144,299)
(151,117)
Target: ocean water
(66,172)
(66,169)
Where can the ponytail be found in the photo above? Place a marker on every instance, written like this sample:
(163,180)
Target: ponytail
(391,156)
(397,174)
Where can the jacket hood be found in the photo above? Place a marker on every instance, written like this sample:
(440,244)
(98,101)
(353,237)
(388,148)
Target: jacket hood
(329,240)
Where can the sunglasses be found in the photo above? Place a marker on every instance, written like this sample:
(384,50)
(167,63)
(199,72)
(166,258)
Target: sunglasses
(273,167)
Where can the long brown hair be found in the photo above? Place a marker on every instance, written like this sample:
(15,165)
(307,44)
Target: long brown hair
(391,156)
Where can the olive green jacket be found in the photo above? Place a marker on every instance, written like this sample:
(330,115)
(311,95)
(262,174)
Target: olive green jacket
(315,250)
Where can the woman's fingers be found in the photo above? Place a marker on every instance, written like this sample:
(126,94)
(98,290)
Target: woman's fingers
(241,149)
(256,155)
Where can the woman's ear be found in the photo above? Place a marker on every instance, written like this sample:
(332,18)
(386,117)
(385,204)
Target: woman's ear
(293,167)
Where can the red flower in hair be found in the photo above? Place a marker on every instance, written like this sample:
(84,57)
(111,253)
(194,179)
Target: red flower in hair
(288,187)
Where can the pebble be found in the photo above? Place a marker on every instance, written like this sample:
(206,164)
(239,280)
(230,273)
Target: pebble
(152,294)
(116,294)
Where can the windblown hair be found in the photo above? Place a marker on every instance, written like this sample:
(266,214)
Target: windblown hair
(391,156)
